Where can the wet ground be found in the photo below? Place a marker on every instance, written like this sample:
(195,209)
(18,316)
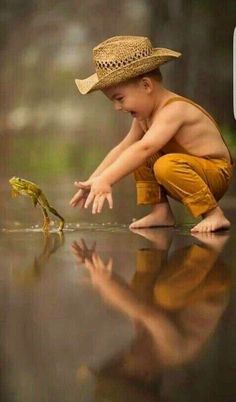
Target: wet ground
(105,314)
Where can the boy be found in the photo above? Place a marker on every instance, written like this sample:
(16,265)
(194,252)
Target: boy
(174,146)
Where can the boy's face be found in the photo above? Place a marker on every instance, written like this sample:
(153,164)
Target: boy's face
(134,98)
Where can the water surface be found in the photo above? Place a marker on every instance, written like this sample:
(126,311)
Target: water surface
(149,315)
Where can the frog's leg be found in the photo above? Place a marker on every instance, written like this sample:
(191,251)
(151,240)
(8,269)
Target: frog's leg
(44,203)
(35,200)
(46,219)
(54,212)
(43,206)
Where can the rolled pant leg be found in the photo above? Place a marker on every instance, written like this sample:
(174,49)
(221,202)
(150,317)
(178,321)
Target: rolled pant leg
(149,191)
(196,182)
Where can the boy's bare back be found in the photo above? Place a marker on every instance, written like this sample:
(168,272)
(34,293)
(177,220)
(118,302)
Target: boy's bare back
(197,134)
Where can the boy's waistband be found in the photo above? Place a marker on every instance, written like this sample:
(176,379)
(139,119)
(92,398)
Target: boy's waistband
(217,159)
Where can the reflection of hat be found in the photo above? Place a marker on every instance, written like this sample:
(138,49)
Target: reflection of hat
(123,57)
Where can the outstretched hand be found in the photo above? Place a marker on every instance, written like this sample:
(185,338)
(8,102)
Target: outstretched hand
(80,197)
(99,191)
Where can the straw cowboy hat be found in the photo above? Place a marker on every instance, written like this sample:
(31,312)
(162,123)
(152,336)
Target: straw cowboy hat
(123,57)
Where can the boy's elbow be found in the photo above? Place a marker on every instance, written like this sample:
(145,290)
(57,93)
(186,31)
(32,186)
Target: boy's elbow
(148,149)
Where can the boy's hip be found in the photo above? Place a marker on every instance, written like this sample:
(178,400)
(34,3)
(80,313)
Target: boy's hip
(207,163)
(217,171)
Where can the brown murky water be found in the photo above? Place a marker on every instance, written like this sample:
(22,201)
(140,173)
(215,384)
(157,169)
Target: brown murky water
(151,317)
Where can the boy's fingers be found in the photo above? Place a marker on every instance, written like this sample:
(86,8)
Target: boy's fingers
(83,184)
(80,184)
(74,201)
(110,200)
(79,192)
(98,203)
(94,207)
(81,203)
(79,197)
(109,265)
(89,200)
(76,184)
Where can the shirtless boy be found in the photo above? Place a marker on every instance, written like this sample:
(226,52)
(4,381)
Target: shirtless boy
(174,147)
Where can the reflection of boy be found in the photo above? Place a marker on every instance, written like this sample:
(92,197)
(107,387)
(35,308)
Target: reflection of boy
(193,274)
(174,147)
(162,300)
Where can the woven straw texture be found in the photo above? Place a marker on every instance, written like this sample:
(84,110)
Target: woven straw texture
(123,57)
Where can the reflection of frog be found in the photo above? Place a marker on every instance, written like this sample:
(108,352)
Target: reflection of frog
(25,187)
(31,274)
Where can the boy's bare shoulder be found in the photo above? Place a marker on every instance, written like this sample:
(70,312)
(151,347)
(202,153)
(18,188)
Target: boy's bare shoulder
(175,111)
(171,109)
(184,110)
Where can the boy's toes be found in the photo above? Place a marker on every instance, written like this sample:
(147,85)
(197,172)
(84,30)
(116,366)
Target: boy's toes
(200,227)
(203,228)
(195,229)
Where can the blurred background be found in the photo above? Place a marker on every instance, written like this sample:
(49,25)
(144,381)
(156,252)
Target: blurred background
(52,135)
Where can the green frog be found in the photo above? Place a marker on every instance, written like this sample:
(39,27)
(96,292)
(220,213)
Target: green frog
(25,187)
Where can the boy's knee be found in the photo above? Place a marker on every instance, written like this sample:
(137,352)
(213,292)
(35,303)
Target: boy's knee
(163,167)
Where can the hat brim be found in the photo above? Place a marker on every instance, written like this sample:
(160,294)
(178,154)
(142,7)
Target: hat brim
(158,57)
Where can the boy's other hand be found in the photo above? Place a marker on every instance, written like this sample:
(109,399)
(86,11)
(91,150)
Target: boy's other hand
(79,197)
(100,191)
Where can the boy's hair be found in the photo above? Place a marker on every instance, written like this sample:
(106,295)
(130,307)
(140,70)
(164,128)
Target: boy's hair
(156,74)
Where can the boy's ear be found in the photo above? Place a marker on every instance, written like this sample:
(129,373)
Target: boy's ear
(147,84)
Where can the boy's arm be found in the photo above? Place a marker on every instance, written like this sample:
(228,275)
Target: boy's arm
(159,134)
(134,134)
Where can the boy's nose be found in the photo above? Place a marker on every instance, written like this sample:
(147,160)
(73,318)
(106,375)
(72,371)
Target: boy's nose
(117,106)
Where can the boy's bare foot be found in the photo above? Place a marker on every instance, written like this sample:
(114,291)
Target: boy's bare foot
(161,215)
(213,220)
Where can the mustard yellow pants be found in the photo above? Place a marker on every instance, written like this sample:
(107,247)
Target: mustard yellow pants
(196,182)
